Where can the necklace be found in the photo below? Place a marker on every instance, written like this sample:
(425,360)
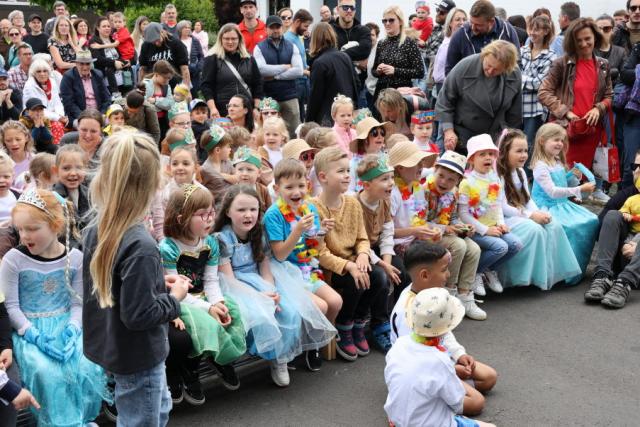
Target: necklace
(409,193)
(431,342)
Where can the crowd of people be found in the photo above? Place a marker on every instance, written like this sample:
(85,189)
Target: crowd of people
(169,199)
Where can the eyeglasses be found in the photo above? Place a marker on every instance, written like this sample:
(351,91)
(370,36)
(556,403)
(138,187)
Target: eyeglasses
(308,156)
(286,18)
(606,29)
(183,124)
(348,8)
(634,8)
(207,216)
(270,113)
(388,21)
(635,166)
(377,131)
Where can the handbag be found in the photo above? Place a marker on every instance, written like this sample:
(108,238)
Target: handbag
(580,128)
(237,75)
(606,163)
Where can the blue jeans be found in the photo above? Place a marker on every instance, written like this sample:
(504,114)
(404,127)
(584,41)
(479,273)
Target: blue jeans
(631,145)
(530,126)
(496,250)
(143,398)
(303,89)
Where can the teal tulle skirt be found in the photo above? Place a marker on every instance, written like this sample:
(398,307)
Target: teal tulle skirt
(296,326)
(69,393)
(546,257)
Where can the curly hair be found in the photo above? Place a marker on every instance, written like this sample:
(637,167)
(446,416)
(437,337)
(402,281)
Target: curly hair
(222,219)
(514,196)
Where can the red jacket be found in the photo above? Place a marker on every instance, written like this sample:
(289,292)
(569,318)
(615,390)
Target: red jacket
(252,39)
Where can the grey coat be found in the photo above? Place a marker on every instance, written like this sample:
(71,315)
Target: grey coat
(465,101)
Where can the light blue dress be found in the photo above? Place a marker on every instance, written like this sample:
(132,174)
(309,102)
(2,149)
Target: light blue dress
(546,257)
(70,393)
(551,192)
(280,335)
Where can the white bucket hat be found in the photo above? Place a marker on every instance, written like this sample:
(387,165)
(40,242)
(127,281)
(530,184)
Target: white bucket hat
(434,312)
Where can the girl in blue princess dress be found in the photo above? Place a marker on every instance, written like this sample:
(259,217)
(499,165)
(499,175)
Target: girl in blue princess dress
(546,257)
(291,322)
(551,192)
(42,281)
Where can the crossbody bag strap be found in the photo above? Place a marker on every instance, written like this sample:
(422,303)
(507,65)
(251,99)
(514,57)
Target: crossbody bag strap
(237,75)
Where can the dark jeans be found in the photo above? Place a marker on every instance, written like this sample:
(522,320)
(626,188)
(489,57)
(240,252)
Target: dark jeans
(631,131)
(357,302)
(303,89)
(613,232)
(530,126)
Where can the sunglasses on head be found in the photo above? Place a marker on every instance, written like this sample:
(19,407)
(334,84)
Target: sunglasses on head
(348,7)
(390,21)
(634,8)
(308,156)
(377,131)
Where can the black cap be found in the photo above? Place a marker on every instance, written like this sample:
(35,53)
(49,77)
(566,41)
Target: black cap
(444,5)
(253,2)
(34,16)
(274,20)
(34,103)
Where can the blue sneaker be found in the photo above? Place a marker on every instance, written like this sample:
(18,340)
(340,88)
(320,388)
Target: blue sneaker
(381,335)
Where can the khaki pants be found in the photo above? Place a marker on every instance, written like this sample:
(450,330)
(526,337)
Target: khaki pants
(465,255)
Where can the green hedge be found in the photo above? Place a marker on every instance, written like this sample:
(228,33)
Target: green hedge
(191,10)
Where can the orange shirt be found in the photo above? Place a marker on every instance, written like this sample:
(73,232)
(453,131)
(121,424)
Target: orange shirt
(251,39)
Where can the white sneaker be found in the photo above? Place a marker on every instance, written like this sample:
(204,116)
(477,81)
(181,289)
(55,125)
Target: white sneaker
(599,196)
(478,286)
(471,309)
(452,291)
(493,282)
(280,374)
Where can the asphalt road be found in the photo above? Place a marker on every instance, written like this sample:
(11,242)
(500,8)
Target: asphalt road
(561,363)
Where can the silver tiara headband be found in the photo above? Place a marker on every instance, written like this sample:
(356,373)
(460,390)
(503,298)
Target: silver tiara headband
(31,197)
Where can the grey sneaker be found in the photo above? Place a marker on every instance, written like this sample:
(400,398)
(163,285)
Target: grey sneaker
(478,286)
(599,197)
(618,295)
(600,285)
(452,291)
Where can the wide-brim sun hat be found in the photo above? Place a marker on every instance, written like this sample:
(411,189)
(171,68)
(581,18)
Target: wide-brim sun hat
(453,161)
(407,154)
(434,312)
(480,142)
(294,148)
(363,128)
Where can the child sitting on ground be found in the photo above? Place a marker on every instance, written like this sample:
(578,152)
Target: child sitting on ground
(217,171)
(272,137)
(441,193)
(199,124)
(114,118)
(34,119)
(41,174)
(8,196)
(247,164)
(422,130)
(370,140)
(342,115)
(420,376)
(346,250)
(428,265)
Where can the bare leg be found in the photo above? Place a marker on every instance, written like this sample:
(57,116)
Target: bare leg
(320,303)
(473,403)
(484,377)
(332,299)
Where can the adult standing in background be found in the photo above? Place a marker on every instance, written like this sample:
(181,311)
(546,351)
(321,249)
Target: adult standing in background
(36,38)
(332,73)
(19,74)
(627,34)
(569,12)
(63,44)
(578,92)
(286,14)
(201,35)
(10,99)
(160,45)
(194,52)
(59,9)
(170,23)
(302,20)
(455,20)
(253,29)
(615,55)
(229,70)
(482,94)
(5,41)
(325,14)
(353,39)
(138,32)
(280,64)
(17,20)
(483,28)
(437,35)
(398,59)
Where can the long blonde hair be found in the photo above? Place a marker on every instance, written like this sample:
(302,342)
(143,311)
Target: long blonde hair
(546,132)
(395,10)
(122,190)
(218,49)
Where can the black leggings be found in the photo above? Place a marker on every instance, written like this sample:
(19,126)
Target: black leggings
(181,367)
(357,302)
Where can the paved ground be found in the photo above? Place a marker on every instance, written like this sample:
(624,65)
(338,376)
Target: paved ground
(561,363)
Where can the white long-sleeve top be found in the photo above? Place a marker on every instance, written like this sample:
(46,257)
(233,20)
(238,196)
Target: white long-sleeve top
(512,214)
(542,175)
(280,71)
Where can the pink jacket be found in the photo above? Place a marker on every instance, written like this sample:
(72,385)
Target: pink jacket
(344,137)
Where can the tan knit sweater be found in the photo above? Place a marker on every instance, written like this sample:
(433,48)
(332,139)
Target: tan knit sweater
(349,237)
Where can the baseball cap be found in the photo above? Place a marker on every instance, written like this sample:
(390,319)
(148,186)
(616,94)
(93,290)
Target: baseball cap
(33,103)
(444,5)
(3,74)
(34,16)
(152,32)
(195,103)
(253,2)
(274,20)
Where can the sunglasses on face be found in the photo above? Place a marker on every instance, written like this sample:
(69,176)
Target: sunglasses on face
(634,8)
(388,21)
(635,166)
(348,8)
(285,18)
(14,34)
(377,131)
(309,156)
(606,29)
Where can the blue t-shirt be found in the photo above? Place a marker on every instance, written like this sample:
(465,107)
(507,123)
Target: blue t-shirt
(278,229)
(297,40)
